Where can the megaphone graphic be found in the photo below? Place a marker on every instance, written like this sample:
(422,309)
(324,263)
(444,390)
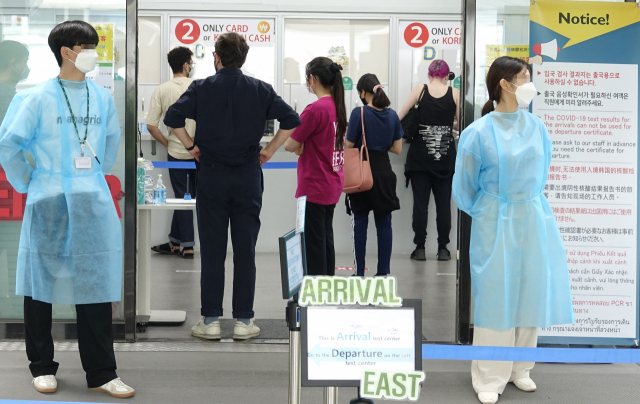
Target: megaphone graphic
(549,49)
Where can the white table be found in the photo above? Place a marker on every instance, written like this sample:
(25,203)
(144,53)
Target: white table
(144,313)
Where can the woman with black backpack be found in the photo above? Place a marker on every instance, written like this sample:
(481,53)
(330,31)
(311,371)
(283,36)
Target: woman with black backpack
(432,156)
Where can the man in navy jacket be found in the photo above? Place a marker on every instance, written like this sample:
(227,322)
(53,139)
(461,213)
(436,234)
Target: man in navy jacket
(230,110)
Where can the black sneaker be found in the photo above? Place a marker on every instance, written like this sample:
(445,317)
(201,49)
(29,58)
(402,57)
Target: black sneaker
(419,254)
(443,254)
(166,248)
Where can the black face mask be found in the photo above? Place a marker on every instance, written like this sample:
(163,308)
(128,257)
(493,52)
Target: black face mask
(364,102)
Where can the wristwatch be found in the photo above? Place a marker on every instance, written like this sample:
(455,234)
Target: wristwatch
(192,147)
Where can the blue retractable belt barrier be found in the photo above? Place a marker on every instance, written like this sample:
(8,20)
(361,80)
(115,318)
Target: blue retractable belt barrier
(189,165)
(37,402)
(558,355)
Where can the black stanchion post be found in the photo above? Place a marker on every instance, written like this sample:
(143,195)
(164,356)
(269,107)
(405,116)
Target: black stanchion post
(293,322)
(360,400)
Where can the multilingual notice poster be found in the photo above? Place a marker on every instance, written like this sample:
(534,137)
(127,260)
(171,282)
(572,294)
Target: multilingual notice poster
(587,81)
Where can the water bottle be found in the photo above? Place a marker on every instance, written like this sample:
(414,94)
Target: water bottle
(159,192)
(141,174)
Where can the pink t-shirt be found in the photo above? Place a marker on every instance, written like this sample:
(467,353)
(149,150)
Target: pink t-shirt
(320,175)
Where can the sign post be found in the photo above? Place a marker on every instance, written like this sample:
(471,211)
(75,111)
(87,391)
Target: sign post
(293,266)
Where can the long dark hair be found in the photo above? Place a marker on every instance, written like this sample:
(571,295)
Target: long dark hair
(367,83)
(329,75)
(504,67)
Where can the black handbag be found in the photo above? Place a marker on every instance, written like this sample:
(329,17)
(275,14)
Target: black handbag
(411,122)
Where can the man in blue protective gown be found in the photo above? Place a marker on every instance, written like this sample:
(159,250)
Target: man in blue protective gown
(71,241)
(230,110)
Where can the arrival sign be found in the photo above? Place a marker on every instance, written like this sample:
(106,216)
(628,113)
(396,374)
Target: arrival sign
(341,343)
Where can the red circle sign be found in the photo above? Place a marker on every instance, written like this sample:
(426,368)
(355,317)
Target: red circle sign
(416,35)
(187,31)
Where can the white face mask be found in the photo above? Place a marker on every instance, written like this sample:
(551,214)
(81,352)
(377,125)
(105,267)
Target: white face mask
(310,88)
(192,72)
(86,60)
(525,93)
(24,73)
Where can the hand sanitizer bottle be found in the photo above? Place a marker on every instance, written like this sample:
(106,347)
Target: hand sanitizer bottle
(159,192)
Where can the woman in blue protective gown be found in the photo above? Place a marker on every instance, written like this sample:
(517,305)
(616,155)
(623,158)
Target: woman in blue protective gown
(71,241)
(519,273)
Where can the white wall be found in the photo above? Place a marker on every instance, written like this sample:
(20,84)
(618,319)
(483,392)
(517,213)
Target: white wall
(311,6)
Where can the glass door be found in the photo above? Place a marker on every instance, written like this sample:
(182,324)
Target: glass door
(492,28)
(26,62)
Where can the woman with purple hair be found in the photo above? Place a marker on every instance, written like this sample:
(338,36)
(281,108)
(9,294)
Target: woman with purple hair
(431,158)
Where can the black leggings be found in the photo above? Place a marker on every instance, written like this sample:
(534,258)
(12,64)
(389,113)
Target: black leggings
(422,183)
(318,236)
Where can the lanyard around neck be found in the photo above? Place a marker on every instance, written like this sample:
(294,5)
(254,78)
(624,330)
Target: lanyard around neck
(73,118)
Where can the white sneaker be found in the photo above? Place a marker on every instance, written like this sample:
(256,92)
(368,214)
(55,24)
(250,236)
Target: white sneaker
(488,398)
(245,331)
(45,384)
(525,384)
(202,330)
(116,388)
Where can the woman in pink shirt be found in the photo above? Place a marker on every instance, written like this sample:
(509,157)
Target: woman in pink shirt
(319,141)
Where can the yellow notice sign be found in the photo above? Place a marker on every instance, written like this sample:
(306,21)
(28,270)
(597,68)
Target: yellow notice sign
(583,20)
(105,46)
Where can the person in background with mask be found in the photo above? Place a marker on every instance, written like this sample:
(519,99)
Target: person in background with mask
(230,110)
(519,272)
(432,156)
(184,68)
(13,69)
(319,141)
(71,242)
(383,133)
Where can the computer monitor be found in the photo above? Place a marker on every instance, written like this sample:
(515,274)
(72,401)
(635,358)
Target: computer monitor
(293,263)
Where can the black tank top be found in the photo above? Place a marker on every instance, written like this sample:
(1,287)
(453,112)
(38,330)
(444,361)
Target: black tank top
(434,148)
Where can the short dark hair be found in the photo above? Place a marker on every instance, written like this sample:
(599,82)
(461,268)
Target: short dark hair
(70,34)
(178,56)
(10,51)
(232,49)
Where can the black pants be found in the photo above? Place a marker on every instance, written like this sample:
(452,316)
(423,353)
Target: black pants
(95,340)
(228,195)
(422,183)
(318,236)
(182,223)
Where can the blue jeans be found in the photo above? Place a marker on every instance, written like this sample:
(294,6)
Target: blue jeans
(385,242)
(182,223)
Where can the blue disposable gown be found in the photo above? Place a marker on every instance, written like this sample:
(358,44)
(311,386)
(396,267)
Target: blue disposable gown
(71,241)
(519,272)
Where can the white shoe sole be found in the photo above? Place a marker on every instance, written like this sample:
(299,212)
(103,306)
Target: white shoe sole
(116,395)
(248,336)
(47,391)
(207,337)
(528,390)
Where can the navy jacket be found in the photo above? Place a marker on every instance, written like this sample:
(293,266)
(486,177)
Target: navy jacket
(230,110)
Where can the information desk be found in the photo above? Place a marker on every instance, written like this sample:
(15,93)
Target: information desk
(144,313)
